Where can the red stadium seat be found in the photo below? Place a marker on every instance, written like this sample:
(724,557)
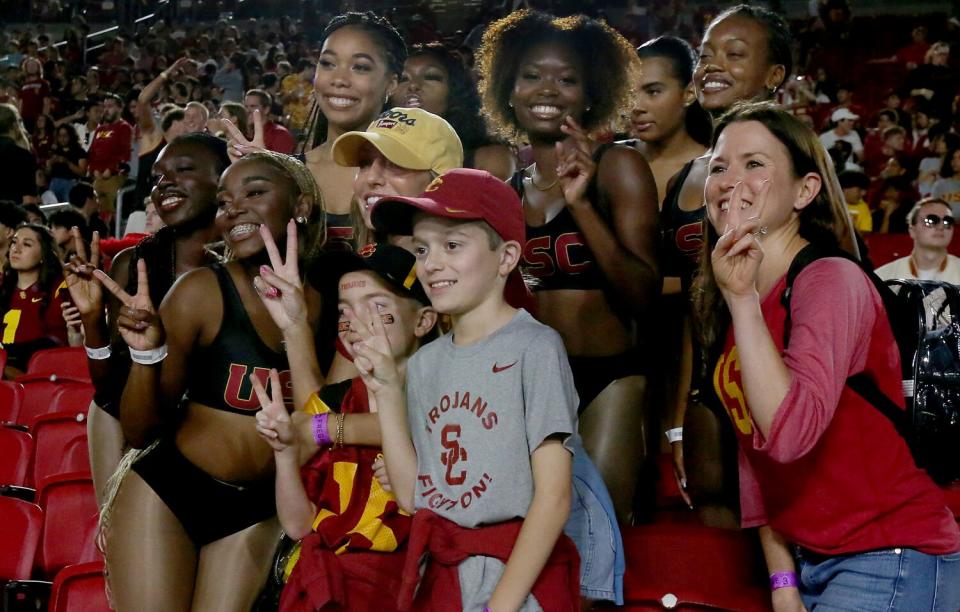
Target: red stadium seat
(3,360)
(692,567)
(72,399)
(68,361)
(53,434)
(40,391)
(80,588)
(16,448)
(69,526)
(20,526)
(11,398)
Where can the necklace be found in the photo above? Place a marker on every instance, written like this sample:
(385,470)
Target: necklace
(539,188)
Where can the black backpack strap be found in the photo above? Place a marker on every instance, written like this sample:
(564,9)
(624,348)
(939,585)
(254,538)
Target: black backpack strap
(867,388)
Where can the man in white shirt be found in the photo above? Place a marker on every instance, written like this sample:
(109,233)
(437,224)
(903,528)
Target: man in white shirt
(844,120)
(931,227)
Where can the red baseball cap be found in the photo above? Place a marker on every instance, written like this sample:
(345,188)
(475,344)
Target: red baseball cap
(470,195)
(463,193)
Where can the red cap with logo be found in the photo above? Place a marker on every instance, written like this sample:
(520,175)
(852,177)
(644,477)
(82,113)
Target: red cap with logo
(470,195)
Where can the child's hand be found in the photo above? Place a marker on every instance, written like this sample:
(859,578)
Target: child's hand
(273,421)
(380,473)
(373,355)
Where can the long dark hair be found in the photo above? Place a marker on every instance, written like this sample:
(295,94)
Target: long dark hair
(682,58)
(383,32)
(463,101)
(51,271)
(823,222)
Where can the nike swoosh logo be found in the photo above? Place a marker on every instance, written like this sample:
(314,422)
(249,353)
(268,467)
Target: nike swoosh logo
(497,369)
(35,300)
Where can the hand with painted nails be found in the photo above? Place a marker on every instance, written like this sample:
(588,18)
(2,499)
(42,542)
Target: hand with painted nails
(279,285)
(85,290)
(737,255)
(575,165)
(139,324)
(238,144)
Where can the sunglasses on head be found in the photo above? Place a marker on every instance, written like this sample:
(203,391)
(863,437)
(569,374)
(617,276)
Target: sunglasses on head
(932,220)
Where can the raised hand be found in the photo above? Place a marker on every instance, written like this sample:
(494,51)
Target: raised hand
(177,66)
(737,255)
(279,285)
(139,324)
(273,420)
(86,292)
(575,165)
(373,355)
(238,145)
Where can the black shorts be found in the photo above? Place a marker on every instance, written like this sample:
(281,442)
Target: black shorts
(591,375)
(208,509)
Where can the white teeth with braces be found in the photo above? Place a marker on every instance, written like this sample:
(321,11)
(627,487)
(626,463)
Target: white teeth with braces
(243,229)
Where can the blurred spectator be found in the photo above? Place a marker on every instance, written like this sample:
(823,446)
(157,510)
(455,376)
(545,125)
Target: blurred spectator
(891,202)
(275,137)
(230,78)
(910,56)
(854,185)
(844,121)
(935,80)
(947,187)
(931,227)
(893,144)
(61,223)
(91,112)
(111,146)
(46,196)
(34,214)
(33,92)
(16,158)
(296,90)
(195,116)
(84,198)
(42,138)
(941,140)
(233,112)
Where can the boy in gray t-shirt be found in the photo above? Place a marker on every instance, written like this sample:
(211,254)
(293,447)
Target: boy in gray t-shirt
(482,452)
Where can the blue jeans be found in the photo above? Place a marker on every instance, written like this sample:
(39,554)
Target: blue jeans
(890,579)
(61,188)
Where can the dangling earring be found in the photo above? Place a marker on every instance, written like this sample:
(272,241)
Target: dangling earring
(510,103)
(301,220)
(587,110)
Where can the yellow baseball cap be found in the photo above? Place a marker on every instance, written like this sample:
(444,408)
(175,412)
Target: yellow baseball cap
(411,138)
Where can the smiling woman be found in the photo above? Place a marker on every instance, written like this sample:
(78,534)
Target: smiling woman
(202,491)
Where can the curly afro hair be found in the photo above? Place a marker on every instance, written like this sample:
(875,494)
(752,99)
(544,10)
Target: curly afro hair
(610,75)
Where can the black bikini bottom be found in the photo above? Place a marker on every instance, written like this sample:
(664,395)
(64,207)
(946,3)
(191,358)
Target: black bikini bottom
(591,375)
(208,509)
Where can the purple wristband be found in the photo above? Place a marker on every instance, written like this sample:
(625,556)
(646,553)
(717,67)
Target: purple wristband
(321,435)
(782,580)
(486,609)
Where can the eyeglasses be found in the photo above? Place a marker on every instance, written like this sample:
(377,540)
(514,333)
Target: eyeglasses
(932,220)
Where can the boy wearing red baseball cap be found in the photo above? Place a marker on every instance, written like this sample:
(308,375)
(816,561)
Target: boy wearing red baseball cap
(480,443)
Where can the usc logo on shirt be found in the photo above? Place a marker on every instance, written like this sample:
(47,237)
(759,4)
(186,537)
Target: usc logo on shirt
(729,388)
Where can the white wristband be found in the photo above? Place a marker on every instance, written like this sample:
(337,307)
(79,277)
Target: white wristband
(149,357)
(98,354)
(674,435)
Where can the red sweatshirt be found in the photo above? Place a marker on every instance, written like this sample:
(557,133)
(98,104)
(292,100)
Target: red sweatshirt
(834,475)
(446,544)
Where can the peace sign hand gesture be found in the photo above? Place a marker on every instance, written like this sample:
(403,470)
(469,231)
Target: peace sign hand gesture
(279,285)
(139,324)
(737,255)
(575,165)
(238,145)
(85,290)
(273,420)
(373,355)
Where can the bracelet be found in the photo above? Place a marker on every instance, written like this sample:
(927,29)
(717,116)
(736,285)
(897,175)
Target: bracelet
(98,354)
(674,435)
(149,357)
(339,441)
(321,434)
(164,75)
(782,580)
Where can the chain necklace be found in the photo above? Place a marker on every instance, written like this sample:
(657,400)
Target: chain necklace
(538,187)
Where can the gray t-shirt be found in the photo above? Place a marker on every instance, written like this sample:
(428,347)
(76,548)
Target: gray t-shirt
(476,414)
